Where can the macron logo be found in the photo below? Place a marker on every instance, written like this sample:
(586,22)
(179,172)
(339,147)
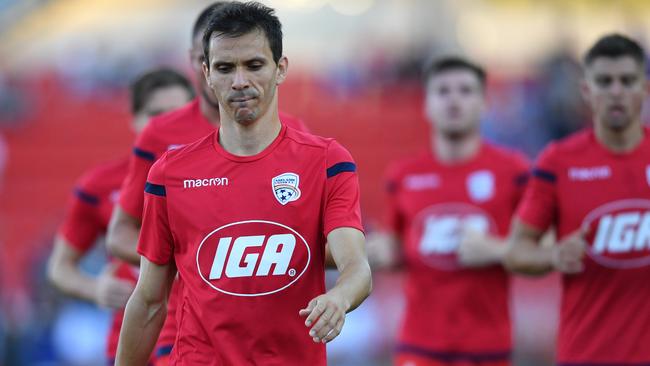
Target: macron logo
(587,174)
(207,182)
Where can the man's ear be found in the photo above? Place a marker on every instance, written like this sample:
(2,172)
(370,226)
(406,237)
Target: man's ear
(283,69)
(206,73)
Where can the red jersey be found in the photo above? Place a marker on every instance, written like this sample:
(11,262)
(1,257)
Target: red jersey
(248,237)
(579,182)
(454,314)
(167,132)
(89,210)
(87,217)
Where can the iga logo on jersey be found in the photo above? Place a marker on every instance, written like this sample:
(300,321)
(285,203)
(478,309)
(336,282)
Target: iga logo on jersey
(252,258)
(438,230)
(480,185)
(620,233)
(285,187)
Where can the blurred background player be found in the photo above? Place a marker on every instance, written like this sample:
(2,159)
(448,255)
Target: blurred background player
(90,208)
(257,318)
(449,209)
(185,125)
(594,189)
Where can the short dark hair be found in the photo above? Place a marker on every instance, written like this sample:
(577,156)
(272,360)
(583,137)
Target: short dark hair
(614,46)
(202,20)
(236,19)
(443,64)
(146,84)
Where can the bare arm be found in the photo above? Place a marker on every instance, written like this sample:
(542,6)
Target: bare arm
(122,236)
(329,260)
(327,312)
(145,314)
(527,255)
(524,255)
(64,272)
(383,250)
(480,250)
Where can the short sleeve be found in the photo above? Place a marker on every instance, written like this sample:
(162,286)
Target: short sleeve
(342,207)
(393,218)
(142,158)
(156,242)
(82,224)
(539,202)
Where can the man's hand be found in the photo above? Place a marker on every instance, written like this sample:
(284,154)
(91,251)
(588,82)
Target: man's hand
(112,292)
(328,313)
(568,254)
(325,314)
(479,250)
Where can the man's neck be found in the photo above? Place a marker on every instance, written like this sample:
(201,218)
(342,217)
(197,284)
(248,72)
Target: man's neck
(456,148)
(620,141)
(250,139)
(209,111)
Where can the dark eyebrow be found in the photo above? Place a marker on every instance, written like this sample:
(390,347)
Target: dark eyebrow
(216,63)
(256,59)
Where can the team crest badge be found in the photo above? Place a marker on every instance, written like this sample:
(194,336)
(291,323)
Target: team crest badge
(480,185)
(285,188)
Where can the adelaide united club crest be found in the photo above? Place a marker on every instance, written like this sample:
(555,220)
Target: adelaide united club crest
(285,187)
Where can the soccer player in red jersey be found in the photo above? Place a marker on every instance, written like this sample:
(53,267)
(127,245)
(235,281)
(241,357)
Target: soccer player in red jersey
(170,131)
(594,189)
(448,213)
(90,208)
(244,215)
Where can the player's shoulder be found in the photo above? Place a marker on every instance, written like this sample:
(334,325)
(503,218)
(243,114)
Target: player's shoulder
(190,151)
(307,139)
(569,146)
(311,146)
(103,177)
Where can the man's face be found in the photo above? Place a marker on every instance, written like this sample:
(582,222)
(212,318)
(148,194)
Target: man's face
(196,60)
(160,101)
(454,101)
(615,89)
(243,75)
